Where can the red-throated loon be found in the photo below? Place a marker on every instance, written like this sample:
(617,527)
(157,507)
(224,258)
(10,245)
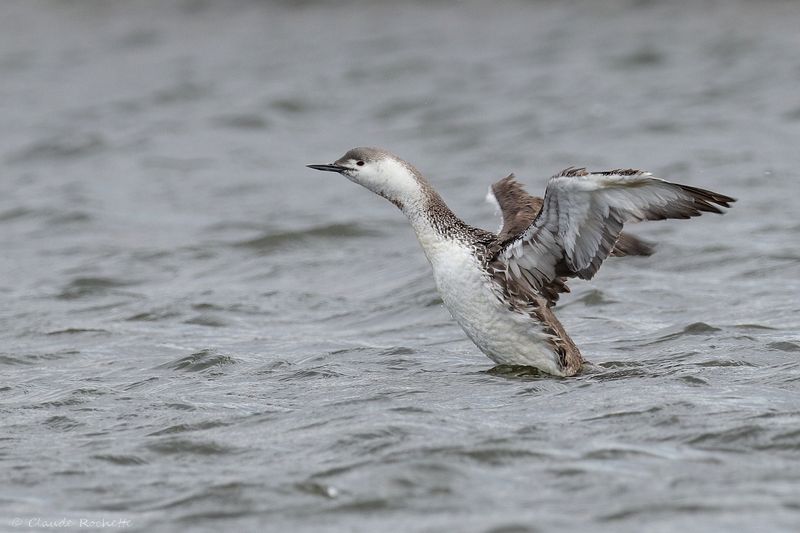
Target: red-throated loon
(501,288)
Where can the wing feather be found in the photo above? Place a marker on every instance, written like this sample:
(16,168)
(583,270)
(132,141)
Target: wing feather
(580,221)
(517,207)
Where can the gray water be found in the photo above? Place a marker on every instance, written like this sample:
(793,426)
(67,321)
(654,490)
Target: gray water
(199,333)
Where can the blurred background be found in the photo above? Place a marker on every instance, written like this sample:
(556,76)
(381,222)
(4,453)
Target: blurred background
(197,332)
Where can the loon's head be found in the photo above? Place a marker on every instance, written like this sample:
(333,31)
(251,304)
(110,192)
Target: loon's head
(381,172)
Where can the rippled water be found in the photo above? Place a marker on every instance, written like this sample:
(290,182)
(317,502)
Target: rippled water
(200,333)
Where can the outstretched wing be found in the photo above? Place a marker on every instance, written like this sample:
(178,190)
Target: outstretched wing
(519,209)
(580,222)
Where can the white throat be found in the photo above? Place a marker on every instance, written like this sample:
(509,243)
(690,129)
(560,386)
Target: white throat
(419,202)
(396,182)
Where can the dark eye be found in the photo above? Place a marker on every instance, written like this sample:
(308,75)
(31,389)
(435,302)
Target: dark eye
(360,163)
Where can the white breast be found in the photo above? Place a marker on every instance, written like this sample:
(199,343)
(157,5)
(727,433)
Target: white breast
(505,336)
(463,287)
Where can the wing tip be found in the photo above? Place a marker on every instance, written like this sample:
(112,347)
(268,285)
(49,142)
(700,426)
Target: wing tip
(708,201)
(510,180)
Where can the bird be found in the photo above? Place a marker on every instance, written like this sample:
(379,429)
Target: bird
(501,288)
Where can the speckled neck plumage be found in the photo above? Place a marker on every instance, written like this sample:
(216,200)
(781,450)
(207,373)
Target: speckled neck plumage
(442,219)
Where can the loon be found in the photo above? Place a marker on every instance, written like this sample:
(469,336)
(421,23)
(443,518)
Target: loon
(501,288)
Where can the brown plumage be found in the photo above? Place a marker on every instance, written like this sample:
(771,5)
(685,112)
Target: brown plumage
(519,209)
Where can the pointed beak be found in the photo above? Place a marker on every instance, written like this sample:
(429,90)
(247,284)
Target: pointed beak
(329,168)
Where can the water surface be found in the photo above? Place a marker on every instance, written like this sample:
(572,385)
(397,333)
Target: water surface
(199,333)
